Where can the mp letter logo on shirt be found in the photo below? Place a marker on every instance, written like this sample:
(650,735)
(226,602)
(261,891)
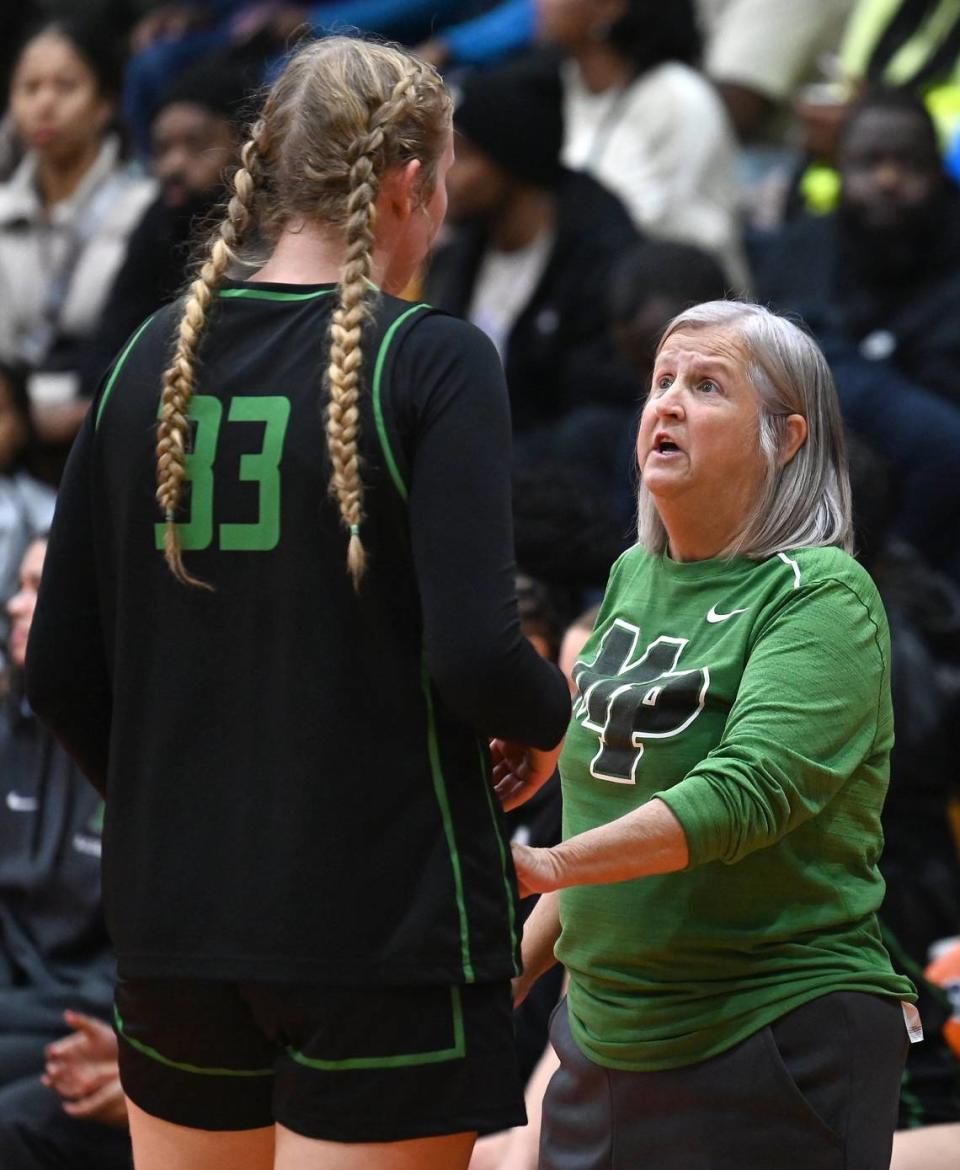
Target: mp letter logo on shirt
(626,698)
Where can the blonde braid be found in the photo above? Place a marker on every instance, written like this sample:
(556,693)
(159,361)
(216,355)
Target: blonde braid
(179,378)
(365,160)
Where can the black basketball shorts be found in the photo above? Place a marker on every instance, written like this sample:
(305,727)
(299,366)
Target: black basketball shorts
(345,1065)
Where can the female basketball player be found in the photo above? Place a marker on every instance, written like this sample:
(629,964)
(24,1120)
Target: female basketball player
(284,679)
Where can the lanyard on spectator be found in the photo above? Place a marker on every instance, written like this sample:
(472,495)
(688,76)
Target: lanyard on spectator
(604,132)
(35,347)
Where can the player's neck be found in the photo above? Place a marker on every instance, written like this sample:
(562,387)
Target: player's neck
(310,255)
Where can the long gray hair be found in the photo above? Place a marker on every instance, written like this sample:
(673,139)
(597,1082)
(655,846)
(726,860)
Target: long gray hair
(805,503)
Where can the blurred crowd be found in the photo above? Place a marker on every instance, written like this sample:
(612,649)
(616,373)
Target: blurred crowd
(617,161)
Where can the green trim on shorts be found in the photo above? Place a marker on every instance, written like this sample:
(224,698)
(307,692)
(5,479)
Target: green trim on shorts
(378,404)
(263,294)
(407,1060)
(108,389)
(146,1050)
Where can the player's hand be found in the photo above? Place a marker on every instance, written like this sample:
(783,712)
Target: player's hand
(519,772)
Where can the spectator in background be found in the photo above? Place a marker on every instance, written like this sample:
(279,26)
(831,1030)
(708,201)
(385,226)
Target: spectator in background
(26,504)
(527,261)
(757,52)
(879,284)
(650,285)
(919,861)
(642,120)
(505,30)
(913,45)
(195,137)
(65,215)
(54,952)
(174,36)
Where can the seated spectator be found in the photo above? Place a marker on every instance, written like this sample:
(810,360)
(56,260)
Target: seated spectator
(504,31)
(174,36)
(912,45)
(195,137)
(909,44)
(879,284)
(26,504)
(527,260)
(65,214)
(649,286)
(83,1068)
(919,861)
(642,120)
(54,952)
(758,52)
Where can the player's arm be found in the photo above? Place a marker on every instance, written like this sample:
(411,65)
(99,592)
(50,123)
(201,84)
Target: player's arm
(461,529)
(67,679)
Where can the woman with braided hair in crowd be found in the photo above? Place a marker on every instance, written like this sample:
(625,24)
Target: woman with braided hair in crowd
(277,629)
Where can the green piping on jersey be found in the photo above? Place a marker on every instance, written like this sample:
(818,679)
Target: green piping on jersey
(146,1050)
(407,1060)
(440,788)
(263,294)
(378,404)
(108,389)
(508,888)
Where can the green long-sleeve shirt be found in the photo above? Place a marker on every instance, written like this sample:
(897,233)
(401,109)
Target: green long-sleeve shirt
(754,699)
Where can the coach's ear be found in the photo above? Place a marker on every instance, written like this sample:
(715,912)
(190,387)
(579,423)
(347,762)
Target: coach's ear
(796,436)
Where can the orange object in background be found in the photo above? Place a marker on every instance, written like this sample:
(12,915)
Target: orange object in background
(944,971)
(953,814)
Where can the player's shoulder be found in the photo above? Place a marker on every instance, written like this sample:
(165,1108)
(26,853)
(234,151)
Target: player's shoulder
(428,326)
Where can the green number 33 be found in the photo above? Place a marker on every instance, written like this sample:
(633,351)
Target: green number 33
(261,467)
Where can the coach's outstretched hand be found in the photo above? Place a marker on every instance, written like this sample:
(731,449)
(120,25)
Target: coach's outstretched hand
(519,772)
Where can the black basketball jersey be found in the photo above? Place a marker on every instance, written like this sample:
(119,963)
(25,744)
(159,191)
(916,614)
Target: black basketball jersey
(296,773)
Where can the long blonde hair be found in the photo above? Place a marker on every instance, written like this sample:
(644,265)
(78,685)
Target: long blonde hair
(342,114)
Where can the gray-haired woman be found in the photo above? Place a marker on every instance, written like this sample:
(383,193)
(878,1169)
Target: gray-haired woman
(734,1007)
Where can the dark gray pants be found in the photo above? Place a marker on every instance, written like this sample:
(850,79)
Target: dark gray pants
(816,1090)
(36,1134)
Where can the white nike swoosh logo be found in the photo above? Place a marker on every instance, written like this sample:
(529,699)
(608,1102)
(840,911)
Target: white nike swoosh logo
(18,803)
(714,617)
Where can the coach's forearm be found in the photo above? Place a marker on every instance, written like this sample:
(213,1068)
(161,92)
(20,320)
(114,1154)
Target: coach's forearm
(647,841)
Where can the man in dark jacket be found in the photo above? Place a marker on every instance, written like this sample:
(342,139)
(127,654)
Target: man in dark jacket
(527,259)
(879,284)
(54,951)
(195,138)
